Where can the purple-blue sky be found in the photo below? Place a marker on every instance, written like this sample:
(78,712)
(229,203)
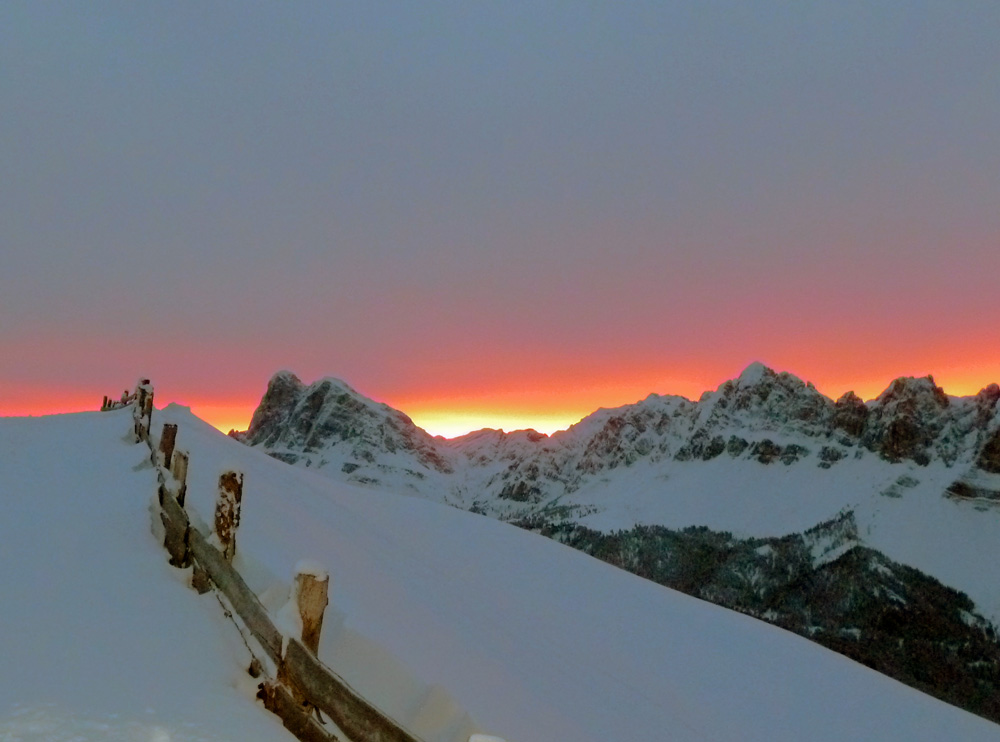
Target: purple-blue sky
(497,210)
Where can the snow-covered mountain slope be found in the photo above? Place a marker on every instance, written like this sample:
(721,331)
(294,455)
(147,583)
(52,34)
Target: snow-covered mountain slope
(436,615)
(437,607)
(826,585)
(763,455)
(101,640)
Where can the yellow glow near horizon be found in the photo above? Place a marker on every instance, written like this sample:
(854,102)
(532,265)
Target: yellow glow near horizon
(225,417)
(546,411)
(455,423)
(451,418)
(442,422)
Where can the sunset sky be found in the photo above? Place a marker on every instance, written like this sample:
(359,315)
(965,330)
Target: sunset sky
(494,214)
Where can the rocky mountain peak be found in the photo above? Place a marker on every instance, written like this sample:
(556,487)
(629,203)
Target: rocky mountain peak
(283,388)
(850,415)
(990,394)
(906,419)
(763,399)
(986,404)
(912,393)
(754,374)
(329,421)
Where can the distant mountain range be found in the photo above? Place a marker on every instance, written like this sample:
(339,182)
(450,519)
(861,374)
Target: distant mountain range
(840,520)
(760,417)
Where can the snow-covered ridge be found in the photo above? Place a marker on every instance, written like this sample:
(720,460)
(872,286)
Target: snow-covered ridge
(762,417)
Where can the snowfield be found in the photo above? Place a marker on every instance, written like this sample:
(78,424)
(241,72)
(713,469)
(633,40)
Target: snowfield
(101,639)
(449,621)
(912,524)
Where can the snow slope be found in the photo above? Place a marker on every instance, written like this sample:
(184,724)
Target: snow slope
(912,523)
(539,642)
(440,616)
(101,639)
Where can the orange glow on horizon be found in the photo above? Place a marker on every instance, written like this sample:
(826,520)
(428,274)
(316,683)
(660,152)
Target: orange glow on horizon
(549,408)
(549,411)
(546,406)
(225,417)
(30,402)
(453,423)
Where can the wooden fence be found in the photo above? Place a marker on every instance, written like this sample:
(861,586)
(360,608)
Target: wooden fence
(302,688)
(116,404)
(142,407)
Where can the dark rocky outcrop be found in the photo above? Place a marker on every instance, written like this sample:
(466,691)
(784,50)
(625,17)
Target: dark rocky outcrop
(850,415)
(276,407)
(989,455)
(906,419)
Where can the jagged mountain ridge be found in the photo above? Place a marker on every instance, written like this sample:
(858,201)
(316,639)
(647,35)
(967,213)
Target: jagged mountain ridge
(761,416)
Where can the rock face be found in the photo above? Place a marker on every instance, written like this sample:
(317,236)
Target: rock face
(330,421)
(989,456)
(762,418)
(850,415)
(907,419)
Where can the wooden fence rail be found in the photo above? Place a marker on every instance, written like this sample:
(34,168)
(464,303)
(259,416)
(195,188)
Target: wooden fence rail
(110,403)
(304,686)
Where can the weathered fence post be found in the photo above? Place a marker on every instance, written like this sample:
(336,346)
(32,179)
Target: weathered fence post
(137,418)
(104,404)
(167,440)
(179,468)
(142,413)
(312,584)
(303,615)
(147,409)
(227,512)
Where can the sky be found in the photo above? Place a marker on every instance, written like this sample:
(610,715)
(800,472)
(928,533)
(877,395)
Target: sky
(494,214)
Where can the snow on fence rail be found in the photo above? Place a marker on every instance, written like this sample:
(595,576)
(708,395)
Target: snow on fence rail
(300,687)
